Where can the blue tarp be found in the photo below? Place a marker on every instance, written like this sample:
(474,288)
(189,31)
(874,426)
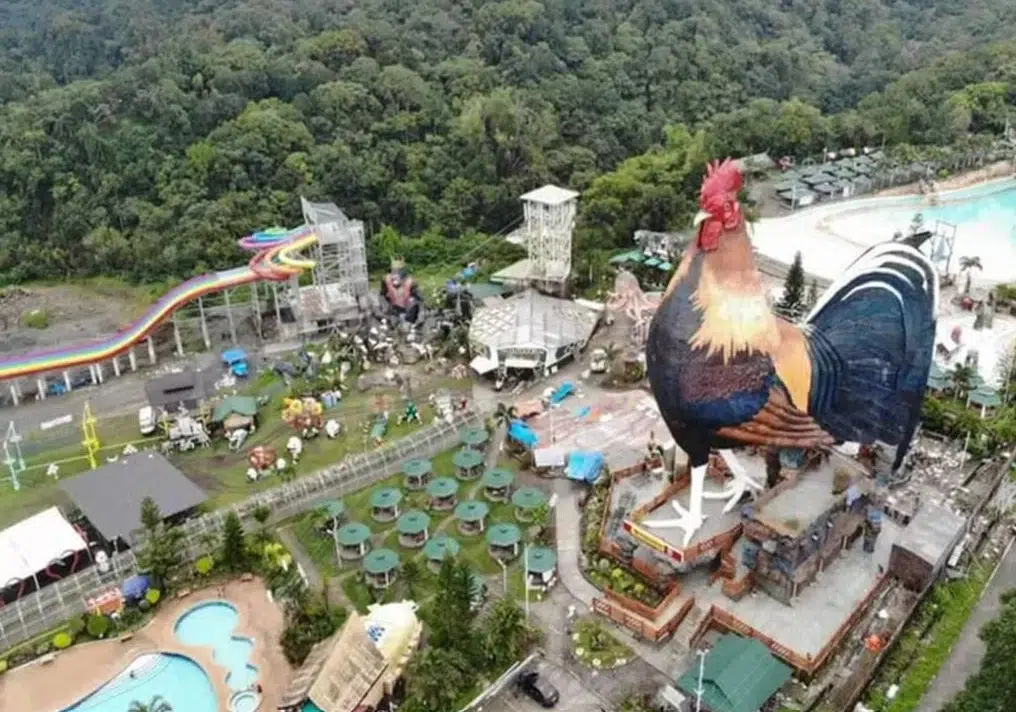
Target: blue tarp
(231,356)
(562,392)
(585,466)
(522,433)
(135,587)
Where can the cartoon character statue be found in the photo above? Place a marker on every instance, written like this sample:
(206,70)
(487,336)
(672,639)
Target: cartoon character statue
(303,414)
(411,414)
(401,292)
(262,458)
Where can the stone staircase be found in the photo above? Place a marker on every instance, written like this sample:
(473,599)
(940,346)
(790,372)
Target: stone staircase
(682,636)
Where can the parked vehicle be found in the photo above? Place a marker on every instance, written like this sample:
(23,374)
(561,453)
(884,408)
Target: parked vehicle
(236,361)
(538,689)
(146,420)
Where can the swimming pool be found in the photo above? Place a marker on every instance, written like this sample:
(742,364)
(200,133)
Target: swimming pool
(831,236)
(211,625)
(177,679)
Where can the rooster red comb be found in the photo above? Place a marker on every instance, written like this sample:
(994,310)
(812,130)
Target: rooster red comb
(723,182)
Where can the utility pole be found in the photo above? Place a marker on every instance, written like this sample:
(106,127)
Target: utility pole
(525,576)
(504,574)
(701,674)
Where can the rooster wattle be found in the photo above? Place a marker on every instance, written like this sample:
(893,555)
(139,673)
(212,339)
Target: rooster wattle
(726,371)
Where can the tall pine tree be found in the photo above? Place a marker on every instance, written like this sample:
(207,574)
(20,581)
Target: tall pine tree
(791,305)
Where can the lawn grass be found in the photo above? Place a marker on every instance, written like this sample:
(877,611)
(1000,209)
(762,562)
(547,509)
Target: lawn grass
(473,549)
(596,647)
(925,645)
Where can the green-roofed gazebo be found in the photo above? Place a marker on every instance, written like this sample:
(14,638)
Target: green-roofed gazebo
(384,504)
(541,567)
(471,516)
(938,383)
(503,540)
(329,514)
(413,528)
(665,266)
(652,262)
(738,675)
(629,256)
(439,548)
(497,484)
(985,398)
(417,473)
(380,566)
(234,412)
(353,540)
(474,438)
(527,500)
(468,464)
(442,492)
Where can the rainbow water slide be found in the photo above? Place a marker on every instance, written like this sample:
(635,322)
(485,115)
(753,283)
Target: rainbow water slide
(275,259)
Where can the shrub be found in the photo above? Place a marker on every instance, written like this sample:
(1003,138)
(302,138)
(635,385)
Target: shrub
(76,626)
(35,319)
(204,565)
(3,666)
(42,648)
(144,605)
(97,625)
(62,641)
(153,595)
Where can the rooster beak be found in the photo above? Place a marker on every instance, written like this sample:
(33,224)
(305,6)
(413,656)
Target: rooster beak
(700,217)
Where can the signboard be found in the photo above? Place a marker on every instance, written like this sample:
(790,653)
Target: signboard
(653,542)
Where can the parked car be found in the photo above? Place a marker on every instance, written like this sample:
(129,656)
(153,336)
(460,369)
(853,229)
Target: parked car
(538,689)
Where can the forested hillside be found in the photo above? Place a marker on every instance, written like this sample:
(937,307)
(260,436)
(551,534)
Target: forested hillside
(141,137)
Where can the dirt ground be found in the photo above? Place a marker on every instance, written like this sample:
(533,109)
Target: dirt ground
(75,313)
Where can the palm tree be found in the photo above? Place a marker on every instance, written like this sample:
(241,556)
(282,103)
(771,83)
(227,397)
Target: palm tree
(962,378)
(968,264)
(505,414)
(156,704)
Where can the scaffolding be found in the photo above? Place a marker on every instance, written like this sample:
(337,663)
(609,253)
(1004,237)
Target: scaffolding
(339,290)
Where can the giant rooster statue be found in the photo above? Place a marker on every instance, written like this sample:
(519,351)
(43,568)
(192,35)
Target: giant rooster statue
(726,371)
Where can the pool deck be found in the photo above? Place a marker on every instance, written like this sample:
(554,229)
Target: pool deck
(81,669)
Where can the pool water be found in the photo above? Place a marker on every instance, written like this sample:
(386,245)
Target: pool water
(211,625)
(178,680)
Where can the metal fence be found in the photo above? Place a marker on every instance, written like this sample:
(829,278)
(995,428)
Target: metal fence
(47,608)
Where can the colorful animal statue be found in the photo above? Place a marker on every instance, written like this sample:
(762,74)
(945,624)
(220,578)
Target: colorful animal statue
(401,292)
(410,415)
(262,458)
(303,413)
(726,371)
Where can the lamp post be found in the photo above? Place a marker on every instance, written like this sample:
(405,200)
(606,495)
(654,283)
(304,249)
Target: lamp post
(525,576)
(504,573)
(701,674)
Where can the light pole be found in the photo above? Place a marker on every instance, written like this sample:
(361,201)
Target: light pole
(525,576)
(504,573)
(701,673)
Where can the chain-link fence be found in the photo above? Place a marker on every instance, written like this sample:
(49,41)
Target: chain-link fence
(46,609)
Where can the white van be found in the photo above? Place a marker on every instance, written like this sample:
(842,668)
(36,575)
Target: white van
(146,420)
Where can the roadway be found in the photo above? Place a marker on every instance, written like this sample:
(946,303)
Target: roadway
(965,658)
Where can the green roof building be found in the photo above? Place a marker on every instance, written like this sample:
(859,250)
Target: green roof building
(739,675)
(235,412)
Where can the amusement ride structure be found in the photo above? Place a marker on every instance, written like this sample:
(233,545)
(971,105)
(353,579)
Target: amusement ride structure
(337,262)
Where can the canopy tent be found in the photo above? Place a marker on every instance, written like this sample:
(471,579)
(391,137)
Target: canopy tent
(31,545)
(135,587)
(585,466)
(522,433)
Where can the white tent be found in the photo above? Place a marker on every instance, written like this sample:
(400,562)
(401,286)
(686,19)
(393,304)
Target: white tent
(32,544)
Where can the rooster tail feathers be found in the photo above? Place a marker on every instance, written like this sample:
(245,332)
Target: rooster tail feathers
(871,338)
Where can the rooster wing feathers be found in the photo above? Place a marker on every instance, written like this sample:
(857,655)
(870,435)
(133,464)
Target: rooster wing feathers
(871,339)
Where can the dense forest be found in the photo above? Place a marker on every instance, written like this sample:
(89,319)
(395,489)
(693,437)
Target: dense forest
(141,137)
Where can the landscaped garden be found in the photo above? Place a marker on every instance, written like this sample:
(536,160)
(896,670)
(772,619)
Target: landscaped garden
(594,646)
(393,515)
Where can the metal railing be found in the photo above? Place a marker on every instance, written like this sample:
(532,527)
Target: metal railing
(51,606)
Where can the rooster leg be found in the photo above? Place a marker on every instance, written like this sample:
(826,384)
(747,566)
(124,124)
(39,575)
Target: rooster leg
(690,520)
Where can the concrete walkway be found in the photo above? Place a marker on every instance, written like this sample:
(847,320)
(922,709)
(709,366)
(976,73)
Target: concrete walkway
(568,522)
(965,657)
(302,558)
